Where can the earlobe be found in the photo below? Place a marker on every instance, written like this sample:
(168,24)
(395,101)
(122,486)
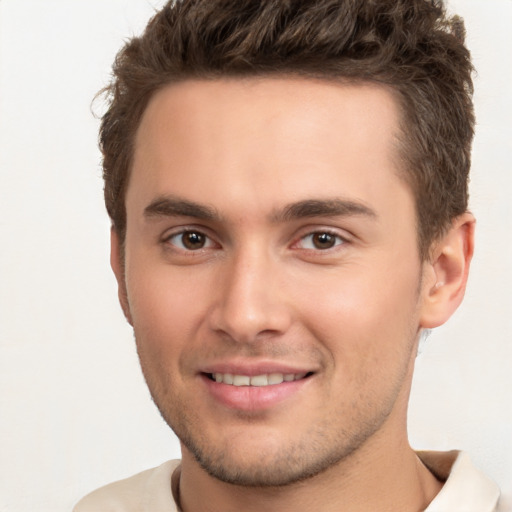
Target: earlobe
(117,264)
(447,272)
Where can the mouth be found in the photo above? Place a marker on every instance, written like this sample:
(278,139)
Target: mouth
(256,392)
(245,385)
(263,380)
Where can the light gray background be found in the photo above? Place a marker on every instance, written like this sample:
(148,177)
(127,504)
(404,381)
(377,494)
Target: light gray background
(74,411)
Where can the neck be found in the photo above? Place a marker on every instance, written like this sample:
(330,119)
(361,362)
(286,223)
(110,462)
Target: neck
(384,476)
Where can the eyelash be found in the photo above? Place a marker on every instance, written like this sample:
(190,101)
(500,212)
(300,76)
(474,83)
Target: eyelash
(338,240)
(210,243)
(180,234)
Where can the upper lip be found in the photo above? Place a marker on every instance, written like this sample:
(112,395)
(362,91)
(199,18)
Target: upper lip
(253,368)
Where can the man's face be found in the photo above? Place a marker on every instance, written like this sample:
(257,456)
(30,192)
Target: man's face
(270,241)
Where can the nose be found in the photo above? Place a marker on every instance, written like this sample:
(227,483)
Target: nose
(251,300)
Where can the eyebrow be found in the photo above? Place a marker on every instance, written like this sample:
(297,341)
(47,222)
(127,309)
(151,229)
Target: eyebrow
(170,206)
(322,208)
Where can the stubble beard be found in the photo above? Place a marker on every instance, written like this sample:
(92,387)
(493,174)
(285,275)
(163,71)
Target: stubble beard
(299,461)
(331,442)
(315,452)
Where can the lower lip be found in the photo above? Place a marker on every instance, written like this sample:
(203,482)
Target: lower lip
(253,398)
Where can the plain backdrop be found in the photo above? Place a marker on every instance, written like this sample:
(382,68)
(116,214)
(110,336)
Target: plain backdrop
(74,410)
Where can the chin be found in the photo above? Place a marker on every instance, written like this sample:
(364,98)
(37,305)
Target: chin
(266,470)
(268,461)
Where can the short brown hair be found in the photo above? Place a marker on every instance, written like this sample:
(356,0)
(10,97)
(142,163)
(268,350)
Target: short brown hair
(411,46)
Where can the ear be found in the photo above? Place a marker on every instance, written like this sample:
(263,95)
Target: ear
(117,264)
(446,274)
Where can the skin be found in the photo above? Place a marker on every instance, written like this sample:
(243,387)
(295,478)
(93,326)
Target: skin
(304,255)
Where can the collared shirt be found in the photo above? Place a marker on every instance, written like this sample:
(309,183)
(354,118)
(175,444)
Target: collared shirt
(466,489)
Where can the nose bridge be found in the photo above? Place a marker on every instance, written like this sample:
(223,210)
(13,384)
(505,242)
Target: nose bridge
(250,302)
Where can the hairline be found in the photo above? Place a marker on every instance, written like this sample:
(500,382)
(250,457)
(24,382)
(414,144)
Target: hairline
(399,147)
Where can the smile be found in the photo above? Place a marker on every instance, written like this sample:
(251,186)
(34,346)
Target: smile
(255,390)
(270,379)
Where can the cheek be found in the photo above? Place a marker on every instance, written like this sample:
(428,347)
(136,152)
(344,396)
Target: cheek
(167,309)
(367,317)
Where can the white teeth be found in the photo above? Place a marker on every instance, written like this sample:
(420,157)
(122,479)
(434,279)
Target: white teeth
(275,378)
(257,380)
(241,380)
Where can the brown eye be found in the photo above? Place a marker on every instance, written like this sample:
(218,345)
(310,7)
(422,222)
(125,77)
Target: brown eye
(190,241)
(321,240)
(193,240)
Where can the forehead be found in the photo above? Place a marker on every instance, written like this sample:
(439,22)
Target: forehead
(269,139)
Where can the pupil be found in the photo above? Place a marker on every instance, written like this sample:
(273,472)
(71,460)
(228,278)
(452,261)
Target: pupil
(323,240)
(193,240)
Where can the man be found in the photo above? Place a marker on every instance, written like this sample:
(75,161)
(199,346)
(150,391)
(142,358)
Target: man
(287,183)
